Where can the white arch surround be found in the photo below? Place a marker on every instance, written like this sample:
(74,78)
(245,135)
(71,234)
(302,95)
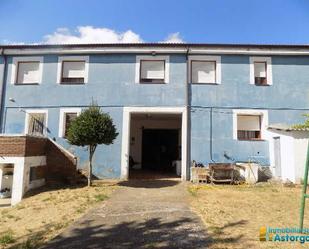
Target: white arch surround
(126,123)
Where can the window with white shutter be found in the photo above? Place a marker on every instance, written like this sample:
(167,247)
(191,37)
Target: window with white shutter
(28,72)
(260,73)
(203,71)
(248,127)
(73,72)
(152,71)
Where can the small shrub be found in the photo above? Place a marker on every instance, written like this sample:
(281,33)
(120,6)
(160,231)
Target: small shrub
(100,197)
(7,238)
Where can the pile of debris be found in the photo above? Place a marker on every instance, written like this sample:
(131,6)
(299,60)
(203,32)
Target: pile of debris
(232,173)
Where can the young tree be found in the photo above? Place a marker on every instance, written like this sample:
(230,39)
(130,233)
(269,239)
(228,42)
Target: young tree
(91,128)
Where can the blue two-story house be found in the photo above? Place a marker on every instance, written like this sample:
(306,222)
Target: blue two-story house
(171,103)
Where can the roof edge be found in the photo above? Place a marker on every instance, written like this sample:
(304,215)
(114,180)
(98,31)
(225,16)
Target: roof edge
(169,45)
(163,48)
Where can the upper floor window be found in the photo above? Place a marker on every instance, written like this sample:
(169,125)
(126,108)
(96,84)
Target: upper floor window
(205,69)
(67,115)
(73,72)
(73,69)
(26,70)
(260,71)
(36,122)
(152,69)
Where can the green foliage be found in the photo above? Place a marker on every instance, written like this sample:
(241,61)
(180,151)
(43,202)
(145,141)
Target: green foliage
(100,197)
(7,238)
(92,127)
(304,125)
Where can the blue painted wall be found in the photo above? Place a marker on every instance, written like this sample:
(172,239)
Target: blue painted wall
(111,82)
(285,100)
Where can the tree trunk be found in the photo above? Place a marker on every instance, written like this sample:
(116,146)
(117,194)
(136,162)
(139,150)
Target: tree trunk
(91,152)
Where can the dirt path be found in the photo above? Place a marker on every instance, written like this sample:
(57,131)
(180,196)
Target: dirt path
(140,214)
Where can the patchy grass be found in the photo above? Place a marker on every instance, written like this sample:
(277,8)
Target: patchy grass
(100,197)
(46,212)
(234,214)
(6,238)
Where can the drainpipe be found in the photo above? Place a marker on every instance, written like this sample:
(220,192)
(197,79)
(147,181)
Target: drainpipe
(2,89)
(210,136)
(188,109)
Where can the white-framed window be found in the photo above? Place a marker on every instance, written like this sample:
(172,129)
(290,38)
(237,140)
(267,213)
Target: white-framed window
(27,70)
(249,124)
(67,115)
(260,71)
(205,69)
(36,122)
(152,69)
(73,69)
(248,127)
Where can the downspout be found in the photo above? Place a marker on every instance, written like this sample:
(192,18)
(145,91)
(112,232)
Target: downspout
(2,89)
(210,136)
(188,109)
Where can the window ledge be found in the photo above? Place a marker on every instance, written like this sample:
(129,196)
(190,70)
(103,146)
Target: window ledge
(152,83)
(262,84)
(68,83)
(202,83)
(252,140)
(26,84)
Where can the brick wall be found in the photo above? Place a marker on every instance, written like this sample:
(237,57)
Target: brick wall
(12,146)
(16,146)
(35,146)
(60,166)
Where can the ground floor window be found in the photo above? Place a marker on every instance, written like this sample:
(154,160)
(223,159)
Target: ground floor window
(67,115)
(248,127)
(36,123)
